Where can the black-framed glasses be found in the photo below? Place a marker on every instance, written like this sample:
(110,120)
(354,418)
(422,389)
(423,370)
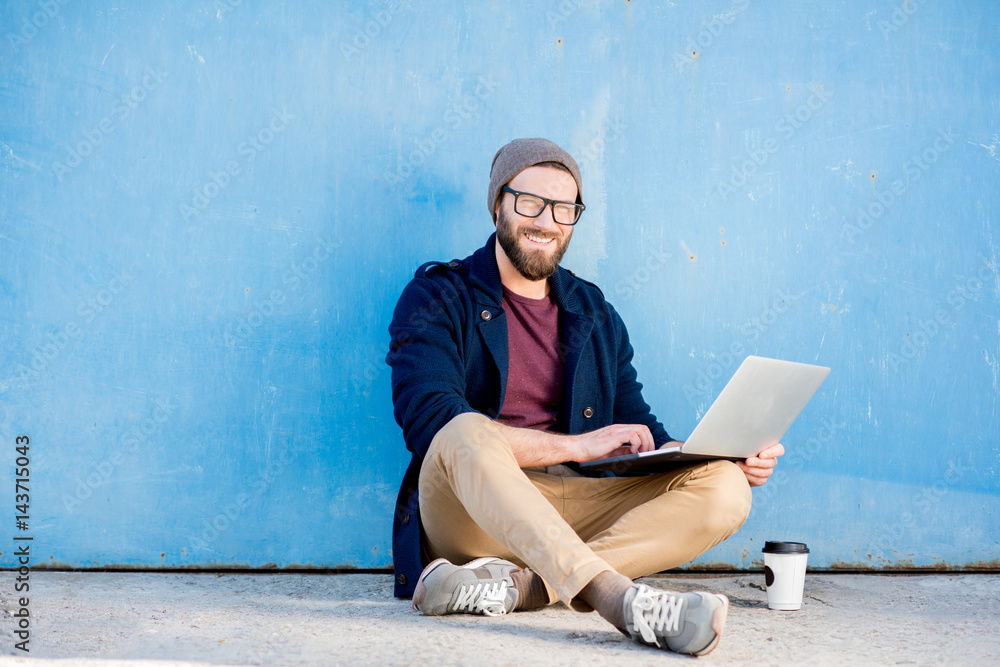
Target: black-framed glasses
(531,206)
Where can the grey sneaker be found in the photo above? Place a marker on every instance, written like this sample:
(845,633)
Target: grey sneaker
(483,586)
(682,622)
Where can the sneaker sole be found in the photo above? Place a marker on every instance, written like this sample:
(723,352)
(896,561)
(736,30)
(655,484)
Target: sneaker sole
(718,623)
(421,590)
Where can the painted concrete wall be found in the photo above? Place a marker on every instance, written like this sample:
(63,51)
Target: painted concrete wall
(209,209)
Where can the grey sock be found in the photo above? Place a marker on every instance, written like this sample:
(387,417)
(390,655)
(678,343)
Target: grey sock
(606,594)
(531,593)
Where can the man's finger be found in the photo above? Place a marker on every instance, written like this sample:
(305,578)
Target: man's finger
(648,435)
(772,452)
(760,463)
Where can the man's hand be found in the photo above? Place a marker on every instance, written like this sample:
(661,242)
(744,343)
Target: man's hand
(759,468)
(532,447)
(613,440)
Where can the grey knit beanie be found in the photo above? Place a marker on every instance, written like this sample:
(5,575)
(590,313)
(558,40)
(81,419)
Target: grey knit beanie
(520,154)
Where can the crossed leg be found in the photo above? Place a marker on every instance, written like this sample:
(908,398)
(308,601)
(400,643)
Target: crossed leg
(476,501)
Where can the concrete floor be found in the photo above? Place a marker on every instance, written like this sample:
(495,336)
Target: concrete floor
(352,619)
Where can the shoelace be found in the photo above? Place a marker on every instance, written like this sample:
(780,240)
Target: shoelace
(487,598)
(655,612)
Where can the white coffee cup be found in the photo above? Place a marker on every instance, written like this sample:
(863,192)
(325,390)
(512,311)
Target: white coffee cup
(785,574)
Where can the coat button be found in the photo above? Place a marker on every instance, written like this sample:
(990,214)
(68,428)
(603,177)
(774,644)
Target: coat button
(588,413)
(401,579)
(406,519)
(486,315)
(454,264)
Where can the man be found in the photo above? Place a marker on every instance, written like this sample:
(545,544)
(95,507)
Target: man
(506,371)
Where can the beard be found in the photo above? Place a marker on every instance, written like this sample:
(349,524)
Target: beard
(535,264)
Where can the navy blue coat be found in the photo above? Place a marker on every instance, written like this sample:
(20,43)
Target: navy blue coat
(448,353)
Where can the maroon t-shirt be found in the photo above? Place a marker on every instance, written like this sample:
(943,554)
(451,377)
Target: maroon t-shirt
(534,394)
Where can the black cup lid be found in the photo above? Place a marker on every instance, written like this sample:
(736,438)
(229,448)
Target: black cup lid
(785,548)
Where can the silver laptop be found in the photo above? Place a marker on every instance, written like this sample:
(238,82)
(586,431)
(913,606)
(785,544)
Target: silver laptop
(753,412)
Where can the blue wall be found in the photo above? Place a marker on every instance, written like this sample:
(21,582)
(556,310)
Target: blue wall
(209,210)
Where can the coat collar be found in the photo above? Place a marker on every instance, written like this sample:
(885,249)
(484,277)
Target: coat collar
(576,326)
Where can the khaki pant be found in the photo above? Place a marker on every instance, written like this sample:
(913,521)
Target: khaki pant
(476,501)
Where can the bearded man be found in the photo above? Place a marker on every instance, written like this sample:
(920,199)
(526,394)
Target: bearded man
(507,371)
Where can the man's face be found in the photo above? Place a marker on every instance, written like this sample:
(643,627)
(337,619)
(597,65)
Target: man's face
(535,246)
